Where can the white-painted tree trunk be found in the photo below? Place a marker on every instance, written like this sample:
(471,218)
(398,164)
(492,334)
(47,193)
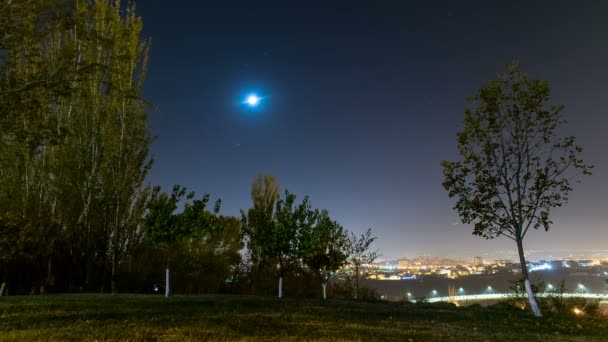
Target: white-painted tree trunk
(280,287)
(167,282)
(324,285)
(533,303)
(2,287)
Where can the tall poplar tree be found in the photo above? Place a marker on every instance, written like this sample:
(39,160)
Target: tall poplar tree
(75,139)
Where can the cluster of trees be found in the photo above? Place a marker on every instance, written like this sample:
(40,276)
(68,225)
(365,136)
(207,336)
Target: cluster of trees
(75,212)
(74,141)
(289,238)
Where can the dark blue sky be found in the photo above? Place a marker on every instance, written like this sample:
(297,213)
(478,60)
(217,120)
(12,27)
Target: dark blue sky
(363,100)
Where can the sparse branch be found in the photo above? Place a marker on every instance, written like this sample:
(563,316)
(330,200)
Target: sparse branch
(508,236)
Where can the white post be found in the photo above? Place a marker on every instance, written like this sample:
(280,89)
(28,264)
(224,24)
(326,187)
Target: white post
(532,300)
(280,287)
(324,285)
(167,282)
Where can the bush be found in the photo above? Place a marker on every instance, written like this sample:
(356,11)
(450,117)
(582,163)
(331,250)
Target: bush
(368,294)
(518,296)
(341,288)
(554,303)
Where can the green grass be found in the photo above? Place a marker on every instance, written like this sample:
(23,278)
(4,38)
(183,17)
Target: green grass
(248,318)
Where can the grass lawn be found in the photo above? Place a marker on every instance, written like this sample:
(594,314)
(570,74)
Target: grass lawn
(248,318)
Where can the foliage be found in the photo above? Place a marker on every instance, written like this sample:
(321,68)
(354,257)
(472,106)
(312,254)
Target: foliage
(368,294)
(164,227)
(553,302)
(516,166)
(517,296)
(167,230)
(213,260)
(359,253)
(209,263)
(322,243)
(281,244)
(258,221)
(74,136)
(290,238)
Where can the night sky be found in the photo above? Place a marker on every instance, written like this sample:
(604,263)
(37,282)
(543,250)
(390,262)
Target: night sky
(361,102)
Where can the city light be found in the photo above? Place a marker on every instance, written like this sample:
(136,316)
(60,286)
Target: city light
(549,287)
(434,292)
(409,269)
(461,290)
(577,311)
(541,267)
(582,288)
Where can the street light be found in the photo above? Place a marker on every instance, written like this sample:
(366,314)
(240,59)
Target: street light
(434,292)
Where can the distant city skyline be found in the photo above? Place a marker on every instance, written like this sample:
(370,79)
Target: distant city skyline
(531,255)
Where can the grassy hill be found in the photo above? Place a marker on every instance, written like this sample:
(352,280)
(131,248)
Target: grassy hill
(248,318)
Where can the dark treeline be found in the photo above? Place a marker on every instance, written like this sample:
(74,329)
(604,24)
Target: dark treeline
(76,213)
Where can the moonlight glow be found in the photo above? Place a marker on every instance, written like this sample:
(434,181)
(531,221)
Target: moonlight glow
(252,100)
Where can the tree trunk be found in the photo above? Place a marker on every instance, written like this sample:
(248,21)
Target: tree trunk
(167,282)
(524,272)
(281,287)
(356,282)
(114,276)
(2,287)
(324,285)
(50,281)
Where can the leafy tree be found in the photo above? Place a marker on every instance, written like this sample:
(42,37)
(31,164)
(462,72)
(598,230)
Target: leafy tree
(33,79)
(280,242)
(359,253)
(516,166)
(322,245)
(202,264)
(74,138)
(102,163)
(165,229)
(214,256)
(271,228)
(29,85)
(258,223)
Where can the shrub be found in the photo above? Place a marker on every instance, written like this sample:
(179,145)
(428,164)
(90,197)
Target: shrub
(554,303)
(368,294)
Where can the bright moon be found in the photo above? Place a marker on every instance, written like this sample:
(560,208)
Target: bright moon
(253,100)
